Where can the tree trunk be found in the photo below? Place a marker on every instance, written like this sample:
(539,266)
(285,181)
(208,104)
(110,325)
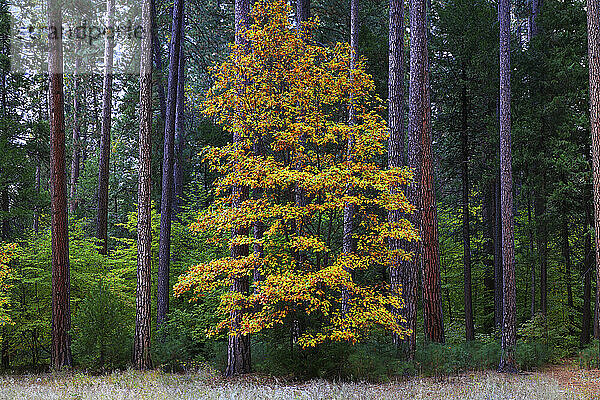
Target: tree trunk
(36,213)
(302,11)
(179,129)
(302,15)
(420,125)
(488,211)
(158,63)
(566,251)
(5,208)
(348,242)
(396,140)
(164,249)
(593,22)
(141,340)
(61,285)
(464,139)
(498,280)
(597,318)
(76,158)
(535,13)
(531,251)
(409,276)
(586,270)
(507,362)
(238,347)
(104,162)
(4,197)
(4,356)
(542,244)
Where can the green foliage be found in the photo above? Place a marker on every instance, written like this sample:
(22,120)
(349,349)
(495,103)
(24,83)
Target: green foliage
(181,344)
(589,356)
(103,328)
(440,359)
(375,359)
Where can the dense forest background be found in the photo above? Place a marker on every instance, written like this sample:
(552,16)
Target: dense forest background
(557,311)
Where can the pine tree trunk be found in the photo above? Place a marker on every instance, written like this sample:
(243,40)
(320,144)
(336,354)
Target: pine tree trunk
(464,139)
(420,128)
(4,198)
(302,11)
(533,18)
(348,242)
(566,251)
(238,347)
(158,63)
(164,249)
(597,317)
(414,152)
(61,285)
(531,250)
(507,362)
(593,22)
(5,208)
(141,340)
(489,221)
(76,158)
(586,270)
(179,129)
(542,244)
(36,213)
(104,162)
(498,280)
(396,139)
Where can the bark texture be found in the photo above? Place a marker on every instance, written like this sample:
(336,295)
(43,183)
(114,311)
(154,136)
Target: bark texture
(566,252)
(104,163)
(76,157)
(61,284)
(141,340)
(586,270)
(420,130)
(593,22)
(179,130)
(158,63)
(416,120)
(507,362)
(164,249)
(542,245)
(498,280)
(396,140)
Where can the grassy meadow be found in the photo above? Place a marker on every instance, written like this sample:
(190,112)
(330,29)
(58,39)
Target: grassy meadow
(207,385)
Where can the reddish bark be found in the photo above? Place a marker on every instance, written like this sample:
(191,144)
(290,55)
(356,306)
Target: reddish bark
(61,285)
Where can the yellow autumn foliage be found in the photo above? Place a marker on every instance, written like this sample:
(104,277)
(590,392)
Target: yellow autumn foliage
(6,254)
(289,96)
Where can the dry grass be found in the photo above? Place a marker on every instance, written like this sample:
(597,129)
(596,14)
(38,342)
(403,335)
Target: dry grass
(206,385)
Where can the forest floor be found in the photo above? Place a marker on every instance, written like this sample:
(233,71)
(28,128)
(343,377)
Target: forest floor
(552,383)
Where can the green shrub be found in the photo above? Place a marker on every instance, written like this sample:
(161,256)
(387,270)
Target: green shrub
(531,355)
(441,359)
(181,344)
(103,327)
(589,356)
